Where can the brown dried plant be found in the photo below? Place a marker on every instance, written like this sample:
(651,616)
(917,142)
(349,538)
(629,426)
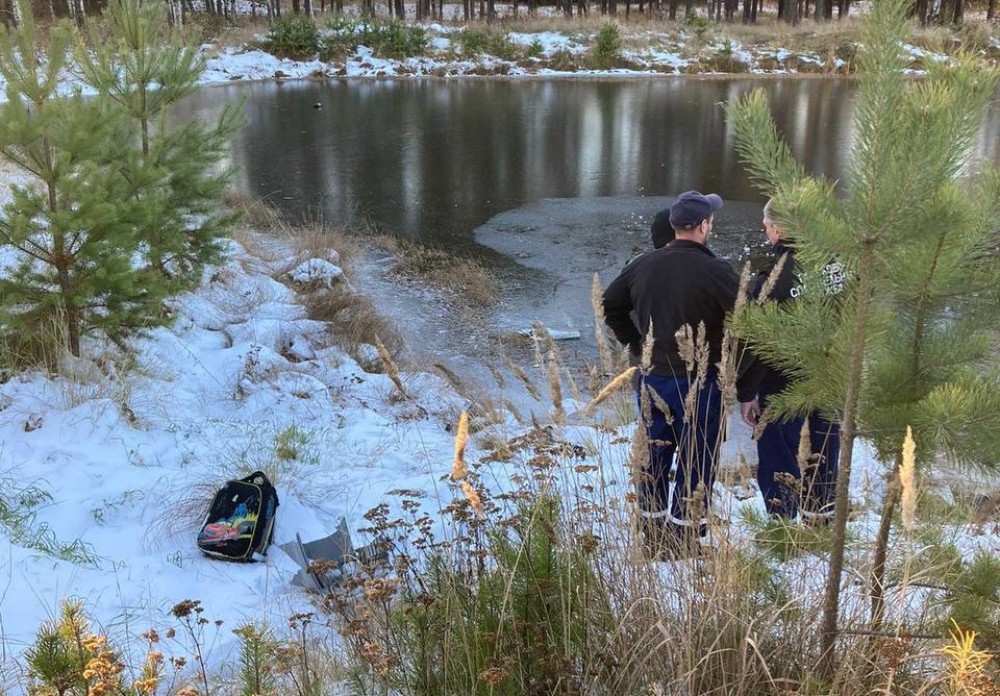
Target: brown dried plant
(390,368)
(604,357)
(610,388)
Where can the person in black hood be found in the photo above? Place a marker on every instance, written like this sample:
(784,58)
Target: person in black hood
(682,285)
(788,488)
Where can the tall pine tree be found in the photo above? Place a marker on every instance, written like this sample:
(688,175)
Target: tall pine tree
(145,67)
(907,340)
(69,236)
(123,208)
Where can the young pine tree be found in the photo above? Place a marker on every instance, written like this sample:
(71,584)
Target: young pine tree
(145,67)
(907,340)
(69,238)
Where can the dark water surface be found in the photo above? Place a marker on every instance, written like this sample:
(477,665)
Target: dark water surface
(473,164)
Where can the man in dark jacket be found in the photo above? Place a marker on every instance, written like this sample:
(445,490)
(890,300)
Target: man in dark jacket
(683,285)
(788,487)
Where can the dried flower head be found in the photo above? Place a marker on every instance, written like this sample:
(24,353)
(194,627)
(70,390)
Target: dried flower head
(907,479)
(805,446)
(772,279)
(610,388)
(186,608)
(646,360)
(458,468)
(475,501)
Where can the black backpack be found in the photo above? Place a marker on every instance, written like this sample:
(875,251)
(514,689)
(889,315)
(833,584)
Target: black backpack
(240,522)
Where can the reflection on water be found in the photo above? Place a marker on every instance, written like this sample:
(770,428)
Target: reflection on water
(433,159)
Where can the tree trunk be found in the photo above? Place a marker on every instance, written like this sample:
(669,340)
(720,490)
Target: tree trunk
(848,433)
(307,8)
(991,10)
(61,261)
(819,13)
(959,12)
(876,584)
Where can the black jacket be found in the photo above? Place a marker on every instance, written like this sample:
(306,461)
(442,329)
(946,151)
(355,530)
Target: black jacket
(681,283)
(759,377)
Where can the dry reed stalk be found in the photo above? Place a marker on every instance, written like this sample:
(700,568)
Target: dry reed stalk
(701,355)
(497,375)
(542,334)
(772,279)
(684,337)
(452,378)
(805,447)
(646,360)
(744,290)
(459,470)
(390,368)
(661,405)
(604,357)
(555,389)
(523,377)
(638,459)
(645,404)
(609,389)
(727,372)
(574,389)
(762,422)
(907,480)
(475,502)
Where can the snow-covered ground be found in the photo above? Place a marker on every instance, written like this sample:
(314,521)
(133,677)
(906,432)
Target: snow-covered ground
(553,54)
(109,470)
(112,469)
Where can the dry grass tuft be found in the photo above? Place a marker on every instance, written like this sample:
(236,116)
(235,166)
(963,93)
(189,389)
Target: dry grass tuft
(464,277)
(352,318)
(257,214)
(391,369)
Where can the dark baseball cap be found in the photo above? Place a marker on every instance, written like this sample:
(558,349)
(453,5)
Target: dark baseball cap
(660,230)
(690,208)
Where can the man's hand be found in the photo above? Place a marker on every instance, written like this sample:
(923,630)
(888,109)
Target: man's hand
(751,412)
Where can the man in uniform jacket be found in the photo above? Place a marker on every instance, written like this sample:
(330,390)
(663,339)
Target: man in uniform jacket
(788,490)
(680,285)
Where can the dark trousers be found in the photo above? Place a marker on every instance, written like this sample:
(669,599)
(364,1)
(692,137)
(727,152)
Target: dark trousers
(695,440)
(788,491)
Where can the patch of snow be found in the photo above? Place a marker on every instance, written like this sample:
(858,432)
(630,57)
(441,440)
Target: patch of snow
(316,270)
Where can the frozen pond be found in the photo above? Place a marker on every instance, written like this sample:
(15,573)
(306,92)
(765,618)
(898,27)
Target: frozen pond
(546,181)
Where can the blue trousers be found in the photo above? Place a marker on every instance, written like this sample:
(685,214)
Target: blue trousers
(788,491)
(695,441)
